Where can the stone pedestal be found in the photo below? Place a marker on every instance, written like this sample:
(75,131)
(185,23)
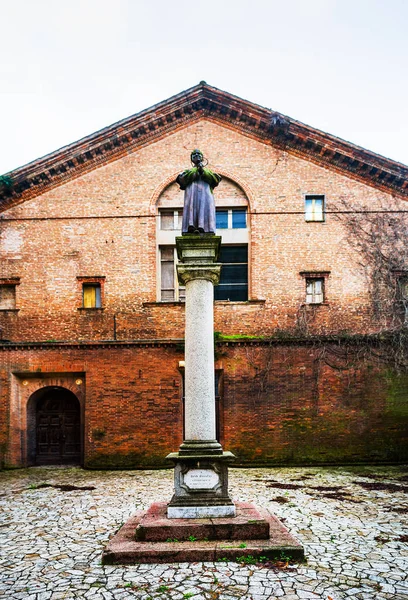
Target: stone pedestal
(201,486)
(201,466)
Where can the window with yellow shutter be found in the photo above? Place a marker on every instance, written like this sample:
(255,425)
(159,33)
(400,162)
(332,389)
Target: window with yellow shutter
(91,294)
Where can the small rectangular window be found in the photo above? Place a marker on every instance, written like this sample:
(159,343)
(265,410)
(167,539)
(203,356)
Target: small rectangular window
(403,288)
(314,208)
(231,218)
(167,273)
(314,291)
(403,285)
(91,294)
(7,297)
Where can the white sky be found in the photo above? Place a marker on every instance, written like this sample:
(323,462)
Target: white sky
(70,68)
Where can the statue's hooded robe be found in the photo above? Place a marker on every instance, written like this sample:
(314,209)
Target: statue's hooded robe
(199,206)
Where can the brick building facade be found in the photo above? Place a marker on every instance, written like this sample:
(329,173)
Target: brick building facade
(91,316)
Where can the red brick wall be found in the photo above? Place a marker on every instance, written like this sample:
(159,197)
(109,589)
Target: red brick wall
(279,404)
(48,255)
(131,399)
(282,404)
(104,224)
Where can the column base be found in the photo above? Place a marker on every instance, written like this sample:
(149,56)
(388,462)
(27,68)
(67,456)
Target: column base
(200,448)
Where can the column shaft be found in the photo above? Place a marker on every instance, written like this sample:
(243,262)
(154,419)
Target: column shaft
(199,361)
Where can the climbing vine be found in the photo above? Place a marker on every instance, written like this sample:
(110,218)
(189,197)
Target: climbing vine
(380,240)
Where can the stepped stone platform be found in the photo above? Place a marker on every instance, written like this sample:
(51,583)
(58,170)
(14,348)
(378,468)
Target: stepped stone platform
(150,537)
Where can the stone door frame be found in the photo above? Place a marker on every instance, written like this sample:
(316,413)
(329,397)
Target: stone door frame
(23,386)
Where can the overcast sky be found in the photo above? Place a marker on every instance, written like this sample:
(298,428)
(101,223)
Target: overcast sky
(70,68)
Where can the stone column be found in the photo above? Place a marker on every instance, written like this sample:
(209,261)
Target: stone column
(199,358)
(201,471)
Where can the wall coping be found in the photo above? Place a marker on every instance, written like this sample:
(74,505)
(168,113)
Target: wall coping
(373,339)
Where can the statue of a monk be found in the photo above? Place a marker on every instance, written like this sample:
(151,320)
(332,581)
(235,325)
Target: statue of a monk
(199,206)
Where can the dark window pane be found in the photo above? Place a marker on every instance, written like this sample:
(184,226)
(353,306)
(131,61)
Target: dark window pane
(221,218)
(235,293)
(234,254)
(98,296)
(239,218)
(217,381)
(234,274)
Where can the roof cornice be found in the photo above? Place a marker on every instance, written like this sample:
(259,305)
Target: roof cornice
(203,101)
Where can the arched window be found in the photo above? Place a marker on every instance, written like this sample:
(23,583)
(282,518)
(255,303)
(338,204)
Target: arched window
(232,224)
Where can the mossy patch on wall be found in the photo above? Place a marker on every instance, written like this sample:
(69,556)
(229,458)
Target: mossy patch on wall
(315,414)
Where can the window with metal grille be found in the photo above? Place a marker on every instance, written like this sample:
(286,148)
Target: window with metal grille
(314,208)
(233,284)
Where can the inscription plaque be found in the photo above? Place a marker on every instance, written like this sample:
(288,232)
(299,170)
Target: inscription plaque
(201,479)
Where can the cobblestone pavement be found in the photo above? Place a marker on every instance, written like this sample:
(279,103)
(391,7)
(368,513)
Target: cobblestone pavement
(352,521)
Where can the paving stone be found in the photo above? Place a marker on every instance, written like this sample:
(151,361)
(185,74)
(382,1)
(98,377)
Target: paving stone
(51,542)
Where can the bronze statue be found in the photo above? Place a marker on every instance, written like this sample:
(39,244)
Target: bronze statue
(199,206)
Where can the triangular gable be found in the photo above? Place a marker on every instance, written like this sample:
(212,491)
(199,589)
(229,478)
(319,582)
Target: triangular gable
(202,101)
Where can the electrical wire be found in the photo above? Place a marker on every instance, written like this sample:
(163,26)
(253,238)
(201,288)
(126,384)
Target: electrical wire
(252,213)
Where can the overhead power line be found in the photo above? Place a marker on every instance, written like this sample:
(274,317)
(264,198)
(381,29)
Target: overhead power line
(252,213)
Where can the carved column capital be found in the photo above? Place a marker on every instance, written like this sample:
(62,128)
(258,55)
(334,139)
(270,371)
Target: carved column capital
(209,271)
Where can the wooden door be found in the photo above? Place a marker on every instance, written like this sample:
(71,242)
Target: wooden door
(58,428)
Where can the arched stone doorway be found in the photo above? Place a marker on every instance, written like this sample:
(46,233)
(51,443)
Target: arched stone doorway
(54,427)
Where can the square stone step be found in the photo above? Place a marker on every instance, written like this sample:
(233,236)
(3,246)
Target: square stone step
(250,523)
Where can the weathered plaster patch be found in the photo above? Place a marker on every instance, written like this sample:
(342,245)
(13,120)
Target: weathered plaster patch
(11,241)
